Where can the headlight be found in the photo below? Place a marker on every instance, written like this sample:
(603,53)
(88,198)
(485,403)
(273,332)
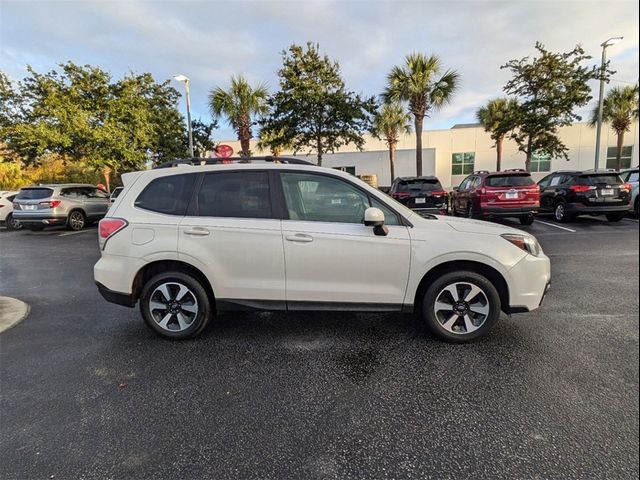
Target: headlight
(525,242)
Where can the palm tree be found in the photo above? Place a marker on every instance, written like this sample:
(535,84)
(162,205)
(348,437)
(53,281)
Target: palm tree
(620,109)
(237,105)
(388,124)
(497,119)
(417,83)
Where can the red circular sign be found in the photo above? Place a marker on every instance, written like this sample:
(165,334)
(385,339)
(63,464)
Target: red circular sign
(224,151)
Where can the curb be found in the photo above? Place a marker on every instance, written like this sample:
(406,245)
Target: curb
(12,312)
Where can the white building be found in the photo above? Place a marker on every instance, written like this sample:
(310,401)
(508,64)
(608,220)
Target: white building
(452,154)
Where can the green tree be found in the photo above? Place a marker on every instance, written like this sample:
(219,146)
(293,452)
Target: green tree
(203,137)
(497,117)
(274,141)
(80,114)
(418,82)
(313,111)
(620,109)
(549,88)
(389,122)
(238,105)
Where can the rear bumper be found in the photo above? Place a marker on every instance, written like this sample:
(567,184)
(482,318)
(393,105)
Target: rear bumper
(39,219)
(508,211)
(119,298)
(580,208)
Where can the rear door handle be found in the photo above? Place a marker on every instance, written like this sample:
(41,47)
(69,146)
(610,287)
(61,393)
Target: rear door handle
(197,231)
(299,237)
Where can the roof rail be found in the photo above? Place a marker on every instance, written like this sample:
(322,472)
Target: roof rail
(223,161)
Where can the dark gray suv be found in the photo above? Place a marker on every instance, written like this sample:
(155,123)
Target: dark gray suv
(73,205)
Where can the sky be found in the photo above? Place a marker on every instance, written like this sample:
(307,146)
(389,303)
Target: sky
(211,40)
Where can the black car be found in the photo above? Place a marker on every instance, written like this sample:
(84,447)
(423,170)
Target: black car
(568,194)
(423,194)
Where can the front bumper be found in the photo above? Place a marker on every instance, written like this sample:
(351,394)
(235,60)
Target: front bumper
(528,281)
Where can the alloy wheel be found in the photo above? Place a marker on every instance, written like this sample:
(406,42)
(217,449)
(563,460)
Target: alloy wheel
(461,308)
(560,212)
(173,306)
(76,220)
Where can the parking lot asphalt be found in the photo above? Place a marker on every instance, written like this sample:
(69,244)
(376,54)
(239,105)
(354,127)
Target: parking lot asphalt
(88,392)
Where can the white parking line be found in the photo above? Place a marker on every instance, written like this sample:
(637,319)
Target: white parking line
(630,220)
(72,233)
(556,226)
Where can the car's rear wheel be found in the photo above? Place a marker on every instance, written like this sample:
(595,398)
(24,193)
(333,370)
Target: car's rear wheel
(12,223)
(616,217)
(76,220)
(461,306)
(560,212)
(526,220)
(175,305)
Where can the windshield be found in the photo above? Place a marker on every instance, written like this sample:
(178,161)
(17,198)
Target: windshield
(509,181)
(419,185)
(34,193)
(600,179)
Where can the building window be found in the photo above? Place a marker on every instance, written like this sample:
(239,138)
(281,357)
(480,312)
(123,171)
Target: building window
(625,157)
(540,162)
(462,163)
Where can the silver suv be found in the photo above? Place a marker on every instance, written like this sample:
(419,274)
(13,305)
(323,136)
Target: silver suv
(73,204)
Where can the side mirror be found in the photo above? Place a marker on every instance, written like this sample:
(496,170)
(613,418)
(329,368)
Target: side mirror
(374,217)
(455,189)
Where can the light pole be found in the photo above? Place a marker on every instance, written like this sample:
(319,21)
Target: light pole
(604,45)
(184,79)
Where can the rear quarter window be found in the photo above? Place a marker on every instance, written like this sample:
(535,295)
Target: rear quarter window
(509,181)
(34,193)
(169,195)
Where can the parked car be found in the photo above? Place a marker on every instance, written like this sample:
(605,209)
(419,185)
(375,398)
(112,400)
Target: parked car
(6,211)
(116,192)
(422,194)
(186,242)
(73,205)
(572,193)
(631,177)
(510,193)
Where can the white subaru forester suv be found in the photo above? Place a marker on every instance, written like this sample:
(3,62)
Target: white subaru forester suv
(191,240)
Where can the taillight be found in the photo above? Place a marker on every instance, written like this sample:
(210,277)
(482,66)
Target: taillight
(581,188)
(51,203)
(439,192)
(401,195)
(626,186)
(108,227)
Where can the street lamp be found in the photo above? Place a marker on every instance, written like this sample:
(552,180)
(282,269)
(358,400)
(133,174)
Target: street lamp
(604,45)
(184,79)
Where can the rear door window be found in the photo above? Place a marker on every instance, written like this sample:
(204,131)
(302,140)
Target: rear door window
(509,181)
(235,194)
(169,195)
(34,193)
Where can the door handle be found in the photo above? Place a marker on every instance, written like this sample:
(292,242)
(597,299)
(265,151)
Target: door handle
(197,231)
(299,237)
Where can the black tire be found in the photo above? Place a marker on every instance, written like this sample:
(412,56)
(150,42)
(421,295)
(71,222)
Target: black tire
(436,289)
(526,220)
(11,223)
(76,220)
(616,217)
(560,212)
(35,228)
(196,324)
(471,212)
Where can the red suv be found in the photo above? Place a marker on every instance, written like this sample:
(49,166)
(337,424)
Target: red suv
(511,193)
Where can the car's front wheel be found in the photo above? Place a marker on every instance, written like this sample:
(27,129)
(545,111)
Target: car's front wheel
(175,305)
(12,223)
(461,306)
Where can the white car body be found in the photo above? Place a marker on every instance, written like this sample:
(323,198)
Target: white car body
(6,205)
(276,263)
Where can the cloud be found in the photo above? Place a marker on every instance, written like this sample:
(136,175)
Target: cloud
(210,40)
